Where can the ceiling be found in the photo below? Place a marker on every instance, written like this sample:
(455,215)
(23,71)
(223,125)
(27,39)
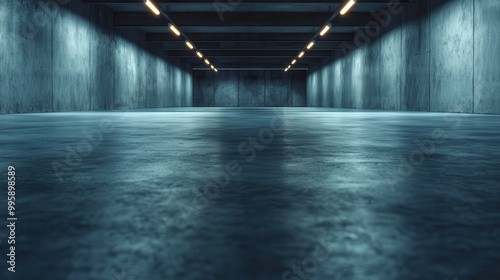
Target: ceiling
(246,33)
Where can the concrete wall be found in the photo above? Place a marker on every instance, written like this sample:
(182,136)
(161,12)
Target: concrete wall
(430,56)
(249,88)
(67,57)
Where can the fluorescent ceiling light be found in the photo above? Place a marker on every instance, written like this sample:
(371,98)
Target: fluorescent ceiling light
(207,62)
(174,29)
(302,54)
(152,7)
(294,61)
(190,46)
(199,54)
(347,7)
(325,29)
(310,45)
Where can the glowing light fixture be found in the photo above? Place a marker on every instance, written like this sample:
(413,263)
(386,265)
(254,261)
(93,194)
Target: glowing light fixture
(174,29)
(152,7)
(347,7)
(325,29)
(310,45)
(158,11)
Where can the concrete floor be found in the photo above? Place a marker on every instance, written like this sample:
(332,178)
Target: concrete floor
(336,194)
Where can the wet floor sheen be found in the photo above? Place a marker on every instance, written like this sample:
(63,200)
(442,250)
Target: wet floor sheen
(253,194)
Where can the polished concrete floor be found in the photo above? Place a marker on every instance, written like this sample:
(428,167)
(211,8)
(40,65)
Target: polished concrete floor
(254,194)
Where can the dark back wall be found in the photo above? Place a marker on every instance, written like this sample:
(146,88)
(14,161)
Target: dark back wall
(255,88)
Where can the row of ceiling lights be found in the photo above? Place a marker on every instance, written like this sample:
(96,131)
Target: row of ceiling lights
(156,10)
(346,7)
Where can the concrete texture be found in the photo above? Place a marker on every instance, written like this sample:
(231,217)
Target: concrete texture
(187,72)
(71,59)
(347,95)
(434,56)
(356,85)
(67,57)
(391,69)
(326,85)
(313,88)
(27,80)
(486,50)
(298,88)
(134,205)
(203,89)
(178,85)
(129,74)
(452,56)
(370,76)
(252,88)
(102,59)
(277,89)
(5,52)
(338,82)
(227,89)
(162,85)
(416,54)
(249,88)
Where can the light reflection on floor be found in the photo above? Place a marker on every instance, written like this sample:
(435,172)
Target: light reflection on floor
(386,195)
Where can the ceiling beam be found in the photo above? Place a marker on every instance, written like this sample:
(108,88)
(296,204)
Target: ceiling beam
(249,62)
(240,46)
(262,59)
(250,65)
(246,37)
(222,7)
(252,33)
(315,20)
(249,53)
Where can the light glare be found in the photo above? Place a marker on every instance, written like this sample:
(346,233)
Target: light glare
(325,29)
(152,7)
(347,7)
(310,45)
(174,29)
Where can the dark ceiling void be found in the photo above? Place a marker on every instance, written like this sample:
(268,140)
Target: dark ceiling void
(260,34)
